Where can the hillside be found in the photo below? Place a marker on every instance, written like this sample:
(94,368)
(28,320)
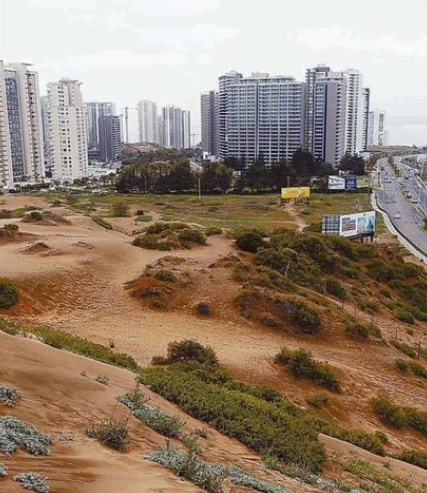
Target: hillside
(77,276)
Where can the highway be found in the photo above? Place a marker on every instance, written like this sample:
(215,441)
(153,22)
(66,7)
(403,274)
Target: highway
(405,213)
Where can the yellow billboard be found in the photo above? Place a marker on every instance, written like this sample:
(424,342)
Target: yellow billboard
(296,193)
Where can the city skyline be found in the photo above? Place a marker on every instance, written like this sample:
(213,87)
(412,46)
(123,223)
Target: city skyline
(170,52)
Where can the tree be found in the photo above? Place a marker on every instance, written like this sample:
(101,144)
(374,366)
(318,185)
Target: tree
(355,164)
(215,177)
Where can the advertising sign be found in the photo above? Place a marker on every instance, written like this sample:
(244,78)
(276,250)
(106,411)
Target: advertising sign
(357,224)
(348,182)
(336,183)
(296,193)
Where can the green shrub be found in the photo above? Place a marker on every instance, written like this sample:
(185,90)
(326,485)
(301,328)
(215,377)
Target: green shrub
(151,242)
(165,275)
(415,457)
(368,306)
(188,350)
(102,379)
(317,249)
(113,434)
(301,363)
(146,218)
(335,288)
(203,308)
(404,315)
(9,293)
(213,230)
(100,221)
(301,312)
(401,365)
(250,242)
(36,215)
(189,235)
(405,348)
(318,400)
(416,367)
(64,340)
(361,330)
(258,424)
(5,214)
(120,209)
(389,413)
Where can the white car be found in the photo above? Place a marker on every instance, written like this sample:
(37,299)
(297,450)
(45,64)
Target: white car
(397,215)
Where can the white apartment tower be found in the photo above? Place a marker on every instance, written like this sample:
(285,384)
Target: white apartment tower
(21,152)
(68,157)
(209,110)
(261,117)
(148,122)
(95,111)
(377,132)
(337,106)
(176,128)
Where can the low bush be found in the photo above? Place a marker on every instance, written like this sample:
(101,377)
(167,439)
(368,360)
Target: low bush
(32,481)
(335,288)
(17,434)
(151,242)
(188,350)
(8,395)
(318,400)
(301,312)
(302,365)
(36,215)
(100,221)
(360,330)
(415,457)
(102,379)
(113,434)
(405,348)
(9,293)
(64,340)
(389,413)
(146,218)
(213,230)
(203,308)
(368,306)
(264,426)
(120,209)
(152,416)
(189,235)
(405,315)
(250,242)
(165,275)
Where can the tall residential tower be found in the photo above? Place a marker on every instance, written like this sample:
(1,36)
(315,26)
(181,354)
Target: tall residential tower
(209,109)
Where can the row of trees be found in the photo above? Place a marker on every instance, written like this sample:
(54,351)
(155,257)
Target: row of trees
(176,175)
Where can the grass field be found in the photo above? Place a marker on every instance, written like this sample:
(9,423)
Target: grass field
(223,211)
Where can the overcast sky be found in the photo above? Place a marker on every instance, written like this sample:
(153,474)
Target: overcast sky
(171,50)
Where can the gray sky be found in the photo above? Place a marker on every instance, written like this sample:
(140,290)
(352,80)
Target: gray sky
(171,50)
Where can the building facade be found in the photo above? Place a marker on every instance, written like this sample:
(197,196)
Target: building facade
(95,111)
(148,122)
(176,128)
(377,131)
(262,117)
(68,157)
(209,110)
(110,138)
(22,156)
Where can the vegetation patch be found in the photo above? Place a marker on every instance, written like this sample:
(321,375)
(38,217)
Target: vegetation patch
(250,242)
(405,348)
(8,395)
(32,481)
(169,236)
(301,364)
(100,221)
(187,350)
(152,416)
(17,434)
(113,434)
(9,293)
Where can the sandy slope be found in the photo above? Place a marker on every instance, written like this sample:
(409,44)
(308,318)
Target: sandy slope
(78,286)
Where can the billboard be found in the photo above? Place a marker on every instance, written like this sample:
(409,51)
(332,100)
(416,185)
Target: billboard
(348,182)
(296,193)
(360,224)
(349,225)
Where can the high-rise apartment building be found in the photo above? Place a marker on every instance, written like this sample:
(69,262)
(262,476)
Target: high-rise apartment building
(176,128)
(95,111)
(22,154)
(225,81)
(110,138)
(186,130)
(68,157)
(337,105)
(377,132)
(148,122)
(209,110)
(261,117)
(366,111)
